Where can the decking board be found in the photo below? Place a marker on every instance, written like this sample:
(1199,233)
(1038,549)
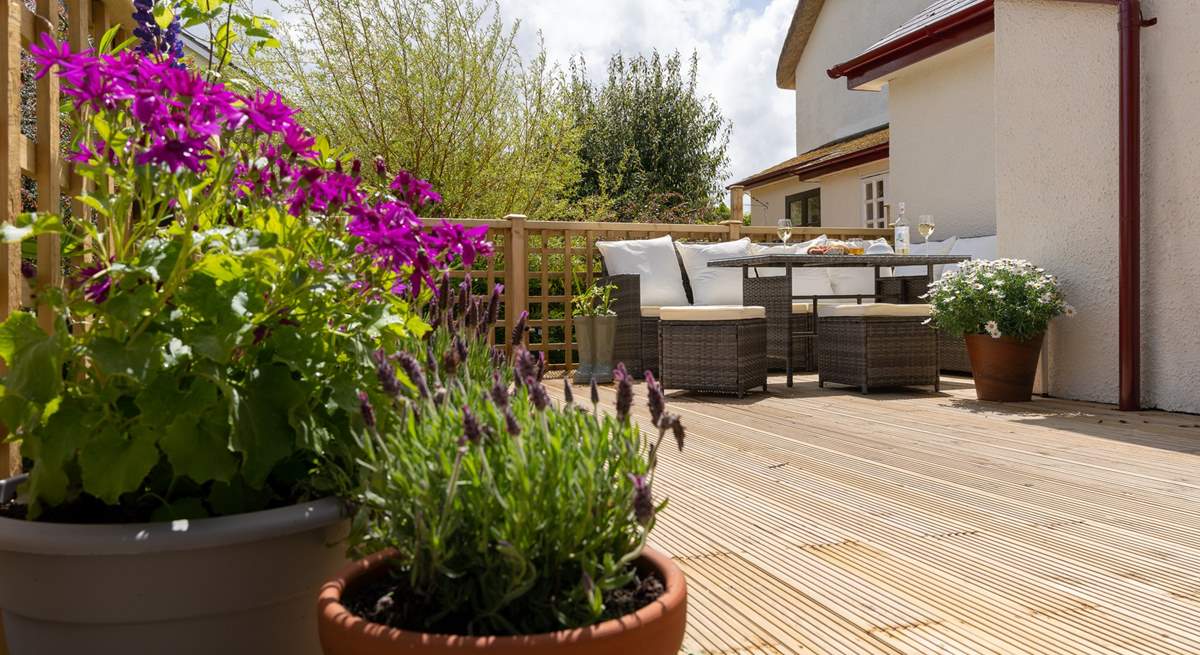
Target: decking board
(823,522)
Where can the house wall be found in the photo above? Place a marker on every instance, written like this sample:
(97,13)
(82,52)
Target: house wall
(842,195)
(943,140)
(825,108)
(1056,89)
(773,196)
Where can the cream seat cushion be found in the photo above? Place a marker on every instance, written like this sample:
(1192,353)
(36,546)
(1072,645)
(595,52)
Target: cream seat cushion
(802,308)
(650,311)
(877,309)
(711,313)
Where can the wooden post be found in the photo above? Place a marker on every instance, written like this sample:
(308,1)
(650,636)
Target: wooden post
(518,269)
(49,169)
(737,199)
(735,229)
(10,180)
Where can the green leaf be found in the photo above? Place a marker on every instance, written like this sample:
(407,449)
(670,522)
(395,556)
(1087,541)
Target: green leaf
(221,267)
(53,447)
(264,432)
(29,225)
(198,447)
(34,358)
(113,463)
(163,16)
(94,203)
(101,126)
(136,359)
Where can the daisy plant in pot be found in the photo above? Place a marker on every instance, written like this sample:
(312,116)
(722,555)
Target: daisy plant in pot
(186,404)
(1002,308)
(501,512)
(595,331)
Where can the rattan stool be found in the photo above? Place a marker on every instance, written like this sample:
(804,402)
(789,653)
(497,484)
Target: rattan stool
(716,349)
(877,345)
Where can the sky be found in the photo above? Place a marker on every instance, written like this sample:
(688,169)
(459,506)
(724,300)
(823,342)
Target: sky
(737,41)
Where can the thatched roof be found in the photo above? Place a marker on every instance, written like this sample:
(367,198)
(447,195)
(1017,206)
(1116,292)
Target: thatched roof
(801,28)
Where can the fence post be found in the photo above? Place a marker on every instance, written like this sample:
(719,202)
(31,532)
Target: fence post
(735,229)
(10,179)
(517,266)
(737,198)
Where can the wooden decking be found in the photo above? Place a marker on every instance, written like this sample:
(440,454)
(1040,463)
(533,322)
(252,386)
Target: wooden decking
(823,521)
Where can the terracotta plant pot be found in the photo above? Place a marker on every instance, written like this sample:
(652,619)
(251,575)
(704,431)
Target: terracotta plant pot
(584,336)
(604,332)
(232,585)
(656,629)
(1004,368)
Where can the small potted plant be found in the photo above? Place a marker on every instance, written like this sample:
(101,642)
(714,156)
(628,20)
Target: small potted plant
(186,416)
(1002,308)
(595,330)
(498,521)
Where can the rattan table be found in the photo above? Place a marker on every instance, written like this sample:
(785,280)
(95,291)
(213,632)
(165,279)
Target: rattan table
(904,292)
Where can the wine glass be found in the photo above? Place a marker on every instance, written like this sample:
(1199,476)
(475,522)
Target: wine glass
(926,226)
(784,230)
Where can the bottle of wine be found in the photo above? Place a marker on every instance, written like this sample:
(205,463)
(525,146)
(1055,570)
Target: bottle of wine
(901,235)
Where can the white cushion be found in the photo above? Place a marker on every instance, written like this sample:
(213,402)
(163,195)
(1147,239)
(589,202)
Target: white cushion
(650,312)
(985,248)
(654,261)
(928,248)
(711,313)
(802,308)
(853,281)
(876,309)
(806,281)
(713,286)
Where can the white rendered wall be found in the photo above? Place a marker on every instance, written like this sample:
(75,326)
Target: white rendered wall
(825,108)
(842,195)
(773,196)
(943,154)
(1056,167)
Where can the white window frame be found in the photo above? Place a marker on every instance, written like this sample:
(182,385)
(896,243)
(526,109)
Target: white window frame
(873,213)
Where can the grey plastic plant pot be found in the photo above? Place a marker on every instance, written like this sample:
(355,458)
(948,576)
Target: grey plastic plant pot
(235,585)
(604,332)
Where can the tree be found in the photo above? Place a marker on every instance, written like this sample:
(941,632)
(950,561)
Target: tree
(653,148)
(437,87)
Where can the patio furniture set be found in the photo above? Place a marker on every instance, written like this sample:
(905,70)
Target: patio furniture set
(686,314)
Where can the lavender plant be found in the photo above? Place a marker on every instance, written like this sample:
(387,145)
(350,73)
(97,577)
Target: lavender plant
(508,513)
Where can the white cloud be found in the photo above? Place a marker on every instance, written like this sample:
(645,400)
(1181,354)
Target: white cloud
(737,42)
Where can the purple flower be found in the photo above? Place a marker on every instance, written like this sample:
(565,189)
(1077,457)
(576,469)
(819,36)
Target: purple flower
(28,269)
(471,428)
(624,392)
(458,243)
(510,423)
(537,393)
(568,393)
(595,392)
(268,113)
(364,406)
(656,401)
(154,40)
(643,500)
(412,190)
(412,368)
(499,391)
(518,333)
(493,306)
(386,373)
(525,364)
(97,283)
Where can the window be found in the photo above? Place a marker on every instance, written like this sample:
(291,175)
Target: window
(804,209)
(874,200)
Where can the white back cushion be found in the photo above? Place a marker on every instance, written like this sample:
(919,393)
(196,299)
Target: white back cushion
(714,286)
(985,248)
(853,281)
(653,260)
(805,281)
(928,248)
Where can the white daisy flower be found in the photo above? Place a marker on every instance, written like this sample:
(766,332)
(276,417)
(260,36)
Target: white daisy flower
(1069,311)
(992,328)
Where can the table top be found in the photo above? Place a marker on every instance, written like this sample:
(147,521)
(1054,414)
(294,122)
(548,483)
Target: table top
(783,259)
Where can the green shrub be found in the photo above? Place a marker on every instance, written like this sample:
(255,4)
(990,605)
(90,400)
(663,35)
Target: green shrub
(1007,297)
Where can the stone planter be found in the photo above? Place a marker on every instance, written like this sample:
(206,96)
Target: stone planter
(595,336)
(1004,368)
(585,339)
(656,629)
(235,585)
(605,331)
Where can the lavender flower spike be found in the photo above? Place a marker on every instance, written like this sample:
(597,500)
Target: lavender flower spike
(518,333)
(499,390)
(643,501)
(656,400)
(595,393)
(412,368)
(386,373)
(624,392)
(510,422)
(568,393)
(368,412)
(471,428)
(537,393)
